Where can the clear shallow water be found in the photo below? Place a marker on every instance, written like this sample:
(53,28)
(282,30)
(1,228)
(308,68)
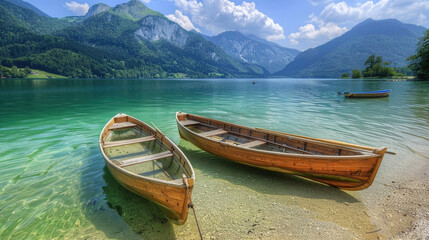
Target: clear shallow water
(53,182)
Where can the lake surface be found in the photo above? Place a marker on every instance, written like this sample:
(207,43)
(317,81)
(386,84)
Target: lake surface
(54,183)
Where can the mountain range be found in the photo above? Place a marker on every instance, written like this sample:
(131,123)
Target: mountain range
(391,39)
(252,49)
(132,41)
(128,40)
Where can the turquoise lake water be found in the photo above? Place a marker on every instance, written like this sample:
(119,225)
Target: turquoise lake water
(54,184)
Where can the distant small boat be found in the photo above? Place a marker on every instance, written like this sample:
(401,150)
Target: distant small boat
(149,164)
(370,94)
(339,164)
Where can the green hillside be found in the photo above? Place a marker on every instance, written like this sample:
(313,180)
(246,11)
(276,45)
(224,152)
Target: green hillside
(31,20)
(27,5)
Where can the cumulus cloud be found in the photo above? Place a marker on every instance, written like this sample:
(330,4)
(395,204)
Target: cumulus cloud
(77,8)
(325,32)
(224,15)
(404,10)
(182,20)
(339,14)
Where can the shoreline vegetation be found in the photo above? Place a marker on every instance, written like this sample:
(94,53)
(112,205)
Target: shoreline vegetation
(376,68)
(393,78)
(21,73)
(39,74)
(367,73)
(30,73)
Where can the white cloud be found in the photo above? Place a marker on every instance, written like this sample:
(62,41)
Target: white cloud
(145,1)
(324,32)
(77,8)
(223,15)
(335,17)
(182,20)
(410,11)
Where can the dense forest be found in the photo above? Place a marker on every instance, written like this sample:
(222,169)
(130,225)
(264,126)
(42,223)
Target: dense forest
(104,46)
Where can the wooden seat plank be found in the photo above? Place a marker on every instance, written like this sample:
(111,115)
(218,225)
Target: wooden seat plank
(121,125)
(252,144)
(213,133)
(151,173)
(189,122)
(147,158)
(129,141)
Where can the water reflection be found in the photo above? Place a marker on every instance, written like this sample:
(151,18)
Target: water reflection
(144,217)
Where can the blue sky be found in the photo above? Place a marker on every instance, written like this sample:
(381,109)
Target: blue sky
(299,24)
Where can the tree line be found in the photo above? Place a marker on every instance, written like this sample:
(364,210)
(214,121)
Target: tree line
(14,72)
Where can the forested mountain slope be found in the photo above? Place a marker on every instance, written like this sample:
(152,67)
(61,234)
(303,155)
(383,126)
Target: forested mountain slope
(391,39)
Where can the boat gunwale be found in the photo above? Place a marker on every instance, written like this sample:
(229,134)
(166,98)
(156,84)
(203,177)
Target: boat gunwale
(370,92)
(176,149)
(295,155)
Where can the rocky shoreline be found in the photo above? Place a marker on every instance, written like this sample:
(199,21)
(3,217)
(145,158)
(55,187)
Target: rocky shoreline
(404,212)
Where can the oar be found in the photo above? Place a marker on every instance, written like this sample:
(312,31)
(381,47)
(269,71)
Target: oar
(157,129)
(324,140)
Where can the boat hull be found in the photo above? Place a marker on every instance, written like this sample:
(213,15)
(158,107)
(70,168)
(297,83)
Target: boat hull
(172,196)
(375,94)
(346,172)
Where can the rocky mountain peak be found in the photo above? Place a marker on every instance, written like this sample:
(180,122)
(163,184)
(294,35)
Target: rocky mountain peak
(254,50)
(154,28)
(97,9)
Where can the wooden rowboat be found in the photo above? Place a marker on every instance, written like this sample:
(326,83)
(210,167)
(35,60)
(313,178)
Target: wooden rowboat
(371,94)
(149,164)
(342,165)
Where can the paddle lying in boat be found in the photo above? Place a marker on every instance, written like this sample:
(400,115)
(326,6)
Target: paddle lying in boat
(371,94)
(149,164)
(342,165)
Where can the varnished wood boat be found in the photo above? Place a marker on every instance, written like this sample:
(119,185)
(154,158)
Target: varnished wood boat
(370,94)
(149,164)
(342,165)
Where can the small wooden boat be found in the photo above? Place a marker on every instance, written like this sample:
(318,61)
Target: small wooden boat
(149,164)
(342,165)
(371,94)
